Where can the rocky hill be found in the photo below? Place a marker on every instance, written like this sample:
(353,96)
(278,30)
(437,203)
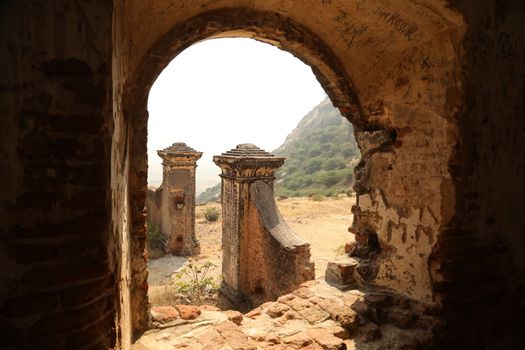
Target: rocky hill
(211,194)
(320,155)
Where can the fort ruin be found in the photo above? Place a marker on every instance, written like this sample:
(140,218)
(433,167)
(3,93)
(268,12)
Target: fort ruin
(434,88)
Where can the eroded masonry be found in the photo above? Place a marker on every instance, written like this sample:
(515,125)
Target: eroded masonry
(171,207)
(435,90)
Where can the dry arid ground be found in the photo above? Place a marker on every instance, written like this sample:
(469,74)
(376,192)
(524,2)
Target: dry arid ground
(324,224)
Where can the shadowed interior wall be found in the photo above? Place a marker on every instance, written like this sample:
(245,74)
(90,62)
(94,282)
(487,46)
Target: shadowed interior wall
(58,256)
(482,250)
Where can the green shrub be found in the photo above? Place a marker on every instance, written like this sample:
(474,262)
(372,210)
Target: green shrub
(315,151)
(330,193)
(292,183)
(193,282)
(334,164)
(212,214)
(347,175)
(340,249)
(332,177)
(156,240)
(313,165)
(349,150)
(317,197)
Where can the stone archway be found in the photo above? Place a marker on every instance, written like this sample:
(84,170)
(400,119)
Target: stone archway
(446,78)
(401,99)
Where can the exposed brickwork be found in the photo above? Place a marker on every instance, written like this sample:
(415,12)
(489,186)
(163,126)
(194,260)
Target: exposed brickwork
(58,284)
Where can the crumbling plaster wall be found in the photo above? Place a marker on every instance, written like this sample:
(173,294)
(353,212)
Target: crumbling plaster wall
(393,68)
(59,256)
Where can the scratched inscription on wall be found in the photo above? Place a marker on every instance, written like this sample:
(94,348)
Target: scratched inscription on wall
(409,30)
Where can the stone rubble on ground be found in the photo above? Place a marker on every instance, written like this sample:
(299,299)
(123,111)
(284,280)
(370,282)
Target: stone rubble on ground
(315,316)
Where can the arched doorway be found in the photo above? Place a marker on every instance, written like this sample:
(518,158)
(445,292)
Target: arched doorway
(401,99)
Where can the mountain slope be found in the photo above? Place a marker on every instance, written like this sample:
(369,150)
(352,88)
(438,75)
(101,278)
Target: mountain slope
(320,155)
(211,194)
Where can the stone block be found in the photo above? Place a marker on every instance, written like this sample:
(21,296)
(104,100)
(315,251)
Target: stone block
(325,338)
(277,310)
(164,314)
(188,312)
(234,316)
(341,273)
(368,332)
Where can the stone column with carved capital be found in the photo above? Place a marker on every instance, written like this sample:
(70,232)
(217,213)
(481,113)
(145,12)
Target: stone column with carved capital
(177,197)
(255,239)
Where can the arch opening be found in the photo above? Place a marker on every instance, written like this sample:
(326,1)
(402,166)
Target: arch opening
(266,27)
(319,214)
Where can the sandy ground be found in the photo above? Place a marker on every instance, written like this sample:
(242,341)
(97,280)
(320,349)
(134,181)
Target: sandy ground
(324,224)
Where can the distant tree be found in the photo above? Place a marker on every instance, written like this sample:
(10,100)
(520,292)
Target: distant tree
(334,164)
(315,150)
(292,183)
(313,165)
(329,178)
(348,150)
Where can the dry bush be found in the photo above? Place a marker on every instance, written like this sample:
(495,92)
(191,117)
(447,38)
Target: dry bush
(212,214)
(190,285)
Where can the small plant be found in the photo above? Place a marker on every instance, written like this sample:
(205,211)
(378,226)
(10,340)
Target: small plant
(212,214)
(340,250)
(194,283)
(330,193)
(157,241)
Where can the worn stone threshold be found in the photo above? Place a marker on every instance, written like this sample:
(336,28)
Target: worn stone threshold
(315,316)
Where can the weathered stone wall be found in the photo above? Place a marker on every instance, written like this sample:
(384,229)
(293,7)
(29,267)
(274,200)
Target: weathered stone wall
(173,204)
(274,261)
(59,258)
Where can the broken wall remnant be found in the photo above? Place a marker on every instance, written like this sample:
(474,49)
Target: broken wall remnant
(171,207)
(262,257)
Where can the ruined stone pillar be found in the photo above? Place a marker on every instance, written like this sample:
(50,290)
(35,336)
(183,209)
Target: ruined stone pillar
(262,257)
(177,192)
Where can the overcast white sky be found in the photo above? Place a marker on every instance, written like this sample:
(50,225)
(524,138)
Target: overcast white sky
(222,92)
